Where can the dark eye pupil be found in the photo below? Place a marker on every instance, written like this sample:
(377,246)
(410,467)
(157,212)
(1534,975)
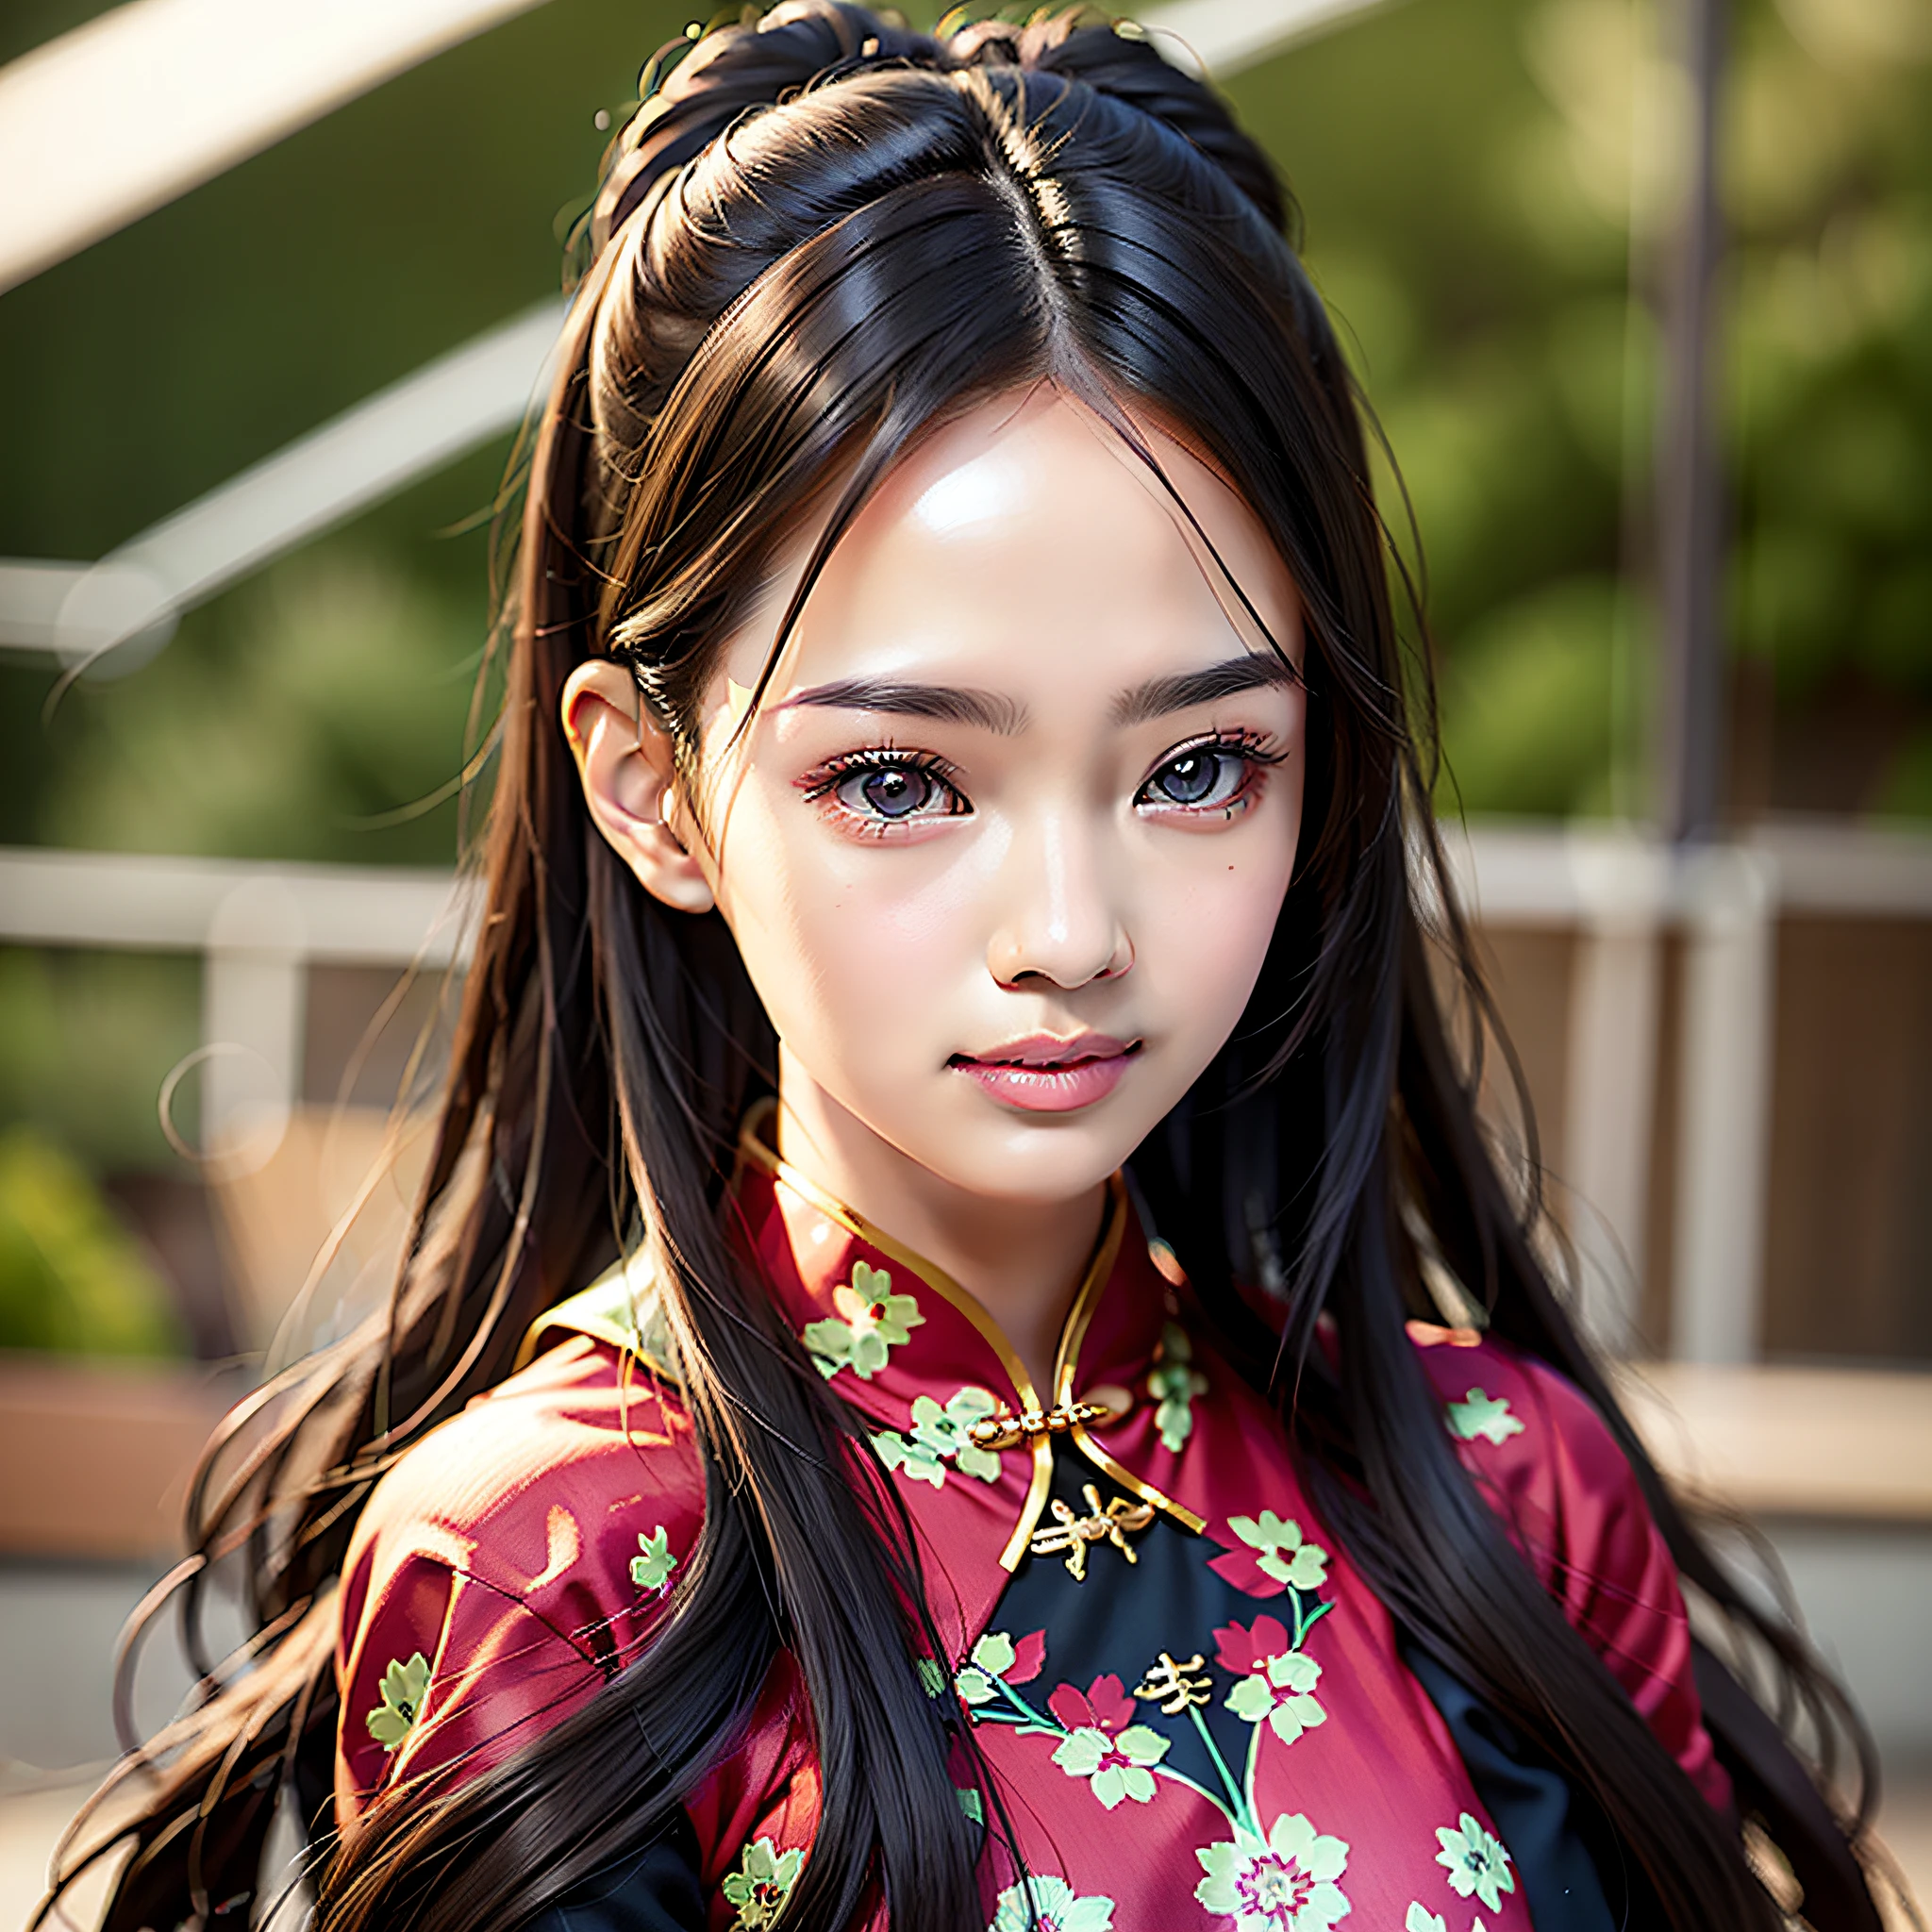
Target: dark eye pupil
(1189,779)
(896,794)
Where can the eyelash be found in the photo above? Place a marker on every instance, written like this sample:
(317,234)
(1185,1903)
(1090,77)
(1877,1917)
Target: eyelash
(1250,747)
(821,785)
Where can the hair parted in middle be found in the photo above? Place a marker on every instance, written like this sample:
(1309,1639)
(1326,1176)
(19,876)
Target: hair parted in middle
(822,236)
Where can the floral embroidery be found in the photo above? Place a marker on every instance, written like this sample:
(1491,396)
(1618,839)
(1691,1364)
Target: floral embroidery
(763,1882)
(939,1436)
(1283,1883)
(970,1803)
(652,1570)
(1174,1385)
(1475,1861)
(1421,1919)
(1279,1680)
(1054,1908)
(1103,1744)
(875,1321)
(1283,1553)
(996,1661)
(947,1432)
(1486,1416)
(402,1689)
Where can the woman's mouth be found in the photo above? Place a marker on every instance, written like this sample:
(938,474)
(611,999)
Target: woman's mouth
(1042,1074)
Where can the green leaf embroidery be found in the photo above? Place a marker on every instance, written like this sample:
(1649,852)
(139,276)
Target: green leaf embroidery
(914,1458)
(652,1570)
(992,1656)
(994,1653)
(973,1685)
(1174,1385)
(1283,1553)
(932,1676)
(972,1804)
(1486,1416)
(941,1436)
(403,1687)
(761,1884)
(874,1321)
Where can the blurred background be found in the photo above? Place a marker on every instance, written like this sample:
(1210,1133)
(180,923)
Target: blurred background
(1641,292)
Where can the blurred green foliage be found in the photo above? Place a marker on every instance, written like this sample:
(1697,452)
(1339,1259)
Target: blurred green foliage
(1830,183)
(70,1276)
(85,1042)
(1481,178)
(160,362)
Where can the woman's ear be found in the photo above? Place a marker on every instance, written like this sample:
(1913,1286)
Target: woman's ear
(630,783)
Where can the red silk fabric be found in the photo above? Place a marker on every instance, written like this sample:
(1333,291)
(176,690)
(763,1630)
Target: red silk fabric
(519,1552)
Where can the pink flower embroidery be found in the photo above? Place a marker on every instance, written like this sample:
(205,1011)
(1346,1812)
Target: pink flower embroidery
(1277,1680)
(1103,1744)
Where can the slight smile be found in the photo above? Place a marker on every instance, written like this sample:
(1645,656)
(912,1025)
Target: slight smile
(1042,1075)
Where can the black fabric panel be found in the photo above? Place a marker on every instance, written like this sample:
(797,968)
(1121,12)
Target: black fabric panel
(657,1891)
(1567,1861)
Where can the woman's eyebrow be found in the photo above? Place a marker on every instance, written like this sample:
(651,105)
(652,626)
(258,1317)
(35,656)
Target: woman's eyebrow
(1252,671)
(947,704)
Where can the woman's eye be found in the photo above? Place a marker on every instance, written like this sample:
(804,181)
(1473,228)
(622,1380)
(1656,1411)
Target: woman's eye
(1204,777)
(892,792)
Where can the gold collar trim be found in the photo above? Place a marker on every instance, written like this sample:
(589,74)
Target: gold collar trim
(756,1150)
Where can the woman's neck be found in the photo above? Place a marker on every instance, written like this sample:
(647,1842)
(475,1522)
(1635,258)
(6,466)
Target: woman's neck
(1021,1261)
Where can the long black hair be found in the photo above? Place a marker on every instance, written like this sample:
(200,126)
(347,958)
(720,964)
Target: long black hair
(820,236)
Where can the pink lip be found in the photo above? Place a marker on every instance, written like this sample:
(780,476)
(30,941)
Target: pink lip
(1042,1075)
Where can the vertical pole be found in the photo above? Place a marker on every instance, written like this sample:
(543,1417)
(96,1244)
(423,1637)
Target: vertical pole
(1724,1105)
(1690,488)
(1615,999)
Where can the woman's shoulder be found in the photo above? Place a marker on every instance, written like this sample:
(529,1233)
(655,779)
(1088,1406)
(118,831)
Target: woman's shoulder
(583,1432)
(1552,1467)
(509,1563)
(1533,1439)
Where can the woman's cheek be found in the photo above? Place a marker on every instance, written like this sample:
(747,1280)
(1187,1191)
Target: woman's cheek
(872,938)
(1203,943)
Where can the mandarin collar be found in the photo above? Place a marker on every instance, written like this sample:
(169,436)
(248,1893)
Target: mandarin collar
(911,1349)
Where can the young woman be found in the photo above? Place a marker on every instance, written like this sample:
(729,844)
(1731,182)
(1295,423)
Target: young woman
(938,1382)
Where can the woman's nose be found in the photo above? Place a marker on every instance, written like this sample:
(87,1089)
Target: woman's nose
(1058,921)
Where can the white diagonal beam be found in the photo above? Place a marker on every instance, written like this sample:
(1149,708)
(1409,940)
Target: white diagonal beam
(111,121)
(200,85)
(126,603)
(1224,36)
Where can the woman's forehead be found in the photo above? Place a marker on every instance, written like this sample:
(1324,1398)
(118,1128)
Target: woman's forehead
(1026,549)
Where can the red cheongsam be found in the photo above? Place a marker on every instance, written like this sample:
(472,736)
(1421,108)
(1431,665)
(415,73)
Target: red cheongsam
(1197,1713)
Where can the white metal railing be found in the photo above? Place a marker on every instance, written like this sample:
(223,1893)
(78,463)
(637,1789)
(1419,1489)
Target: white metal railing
(259,928)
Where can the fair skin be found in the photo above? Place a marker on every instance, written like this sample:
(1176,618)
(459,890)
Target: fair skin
(1003,844)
